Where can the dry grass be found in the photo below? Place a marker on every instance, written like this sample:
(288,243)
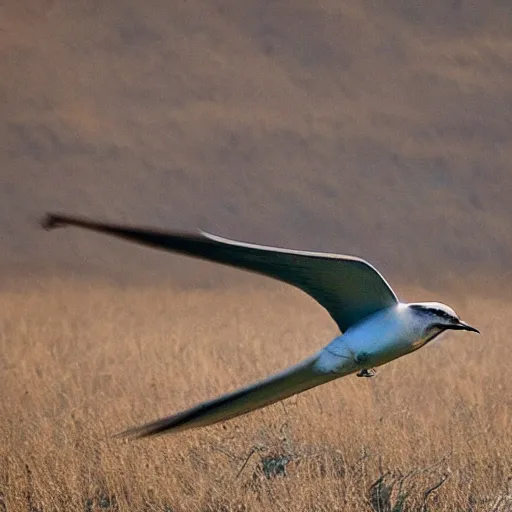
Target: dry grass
(82,361)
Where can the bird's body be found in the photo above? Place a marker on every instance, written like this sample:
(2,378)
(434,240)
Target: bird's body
(386,335)
(376,327)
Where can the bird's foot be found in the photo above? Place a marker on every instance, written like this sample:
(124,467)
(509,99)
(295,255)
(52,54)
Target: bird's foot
(365,372)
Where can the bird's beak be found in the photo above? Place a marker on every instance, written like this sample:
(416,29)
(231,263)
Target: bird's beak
(463,326)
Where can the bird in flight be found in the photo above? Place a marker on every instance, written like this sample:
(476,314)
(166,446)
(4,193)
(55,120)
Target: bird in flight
(375,326)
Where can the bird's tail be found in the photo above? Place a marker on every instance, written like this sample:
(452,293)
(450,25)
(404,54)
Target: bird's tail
(294,380)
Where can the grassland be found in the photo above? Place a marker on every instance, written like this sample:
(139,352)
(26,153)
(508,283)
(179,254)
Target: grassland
(80,362)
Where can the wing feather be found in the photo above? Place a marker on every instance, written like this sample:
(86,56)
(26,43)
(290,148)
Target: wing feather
(294,380)
(349,288)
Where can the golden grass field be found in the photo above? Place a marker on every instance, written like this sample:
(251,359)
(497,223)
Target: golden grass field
(82,361)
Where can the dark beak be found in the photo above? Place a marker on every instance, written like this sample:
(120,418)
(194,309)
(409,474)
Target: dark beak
(463,326)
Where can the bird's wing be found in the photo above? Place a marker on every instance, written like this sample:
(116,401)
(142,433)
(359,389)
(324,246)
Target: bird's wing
(296,379)
(349,288)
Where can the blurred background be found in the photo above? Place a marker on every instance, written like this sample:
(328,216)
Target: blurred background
(375,128)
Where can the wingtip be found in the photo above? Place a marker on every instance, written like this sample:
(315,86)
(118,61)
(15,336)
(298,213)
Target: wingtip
(157,428)
(127,435)
(136,433)
(51,221)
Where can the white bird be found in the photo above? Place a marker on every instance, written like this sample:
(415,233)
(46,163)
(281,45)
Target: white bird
(376,327)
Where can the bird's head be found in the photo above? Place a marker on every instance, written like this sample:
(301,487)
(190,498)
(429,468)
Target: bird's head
(440,316)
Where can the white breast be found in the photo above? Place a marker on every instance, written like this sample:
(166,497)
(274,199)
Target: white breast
(380,338)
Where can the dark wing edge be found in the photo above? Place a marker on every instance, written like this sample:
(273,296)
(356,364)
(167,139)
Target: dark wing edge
(323,276)
(292,381)
(306,254)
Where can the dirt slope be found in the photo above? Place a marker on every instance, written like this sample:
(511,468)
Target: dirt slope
(381,129)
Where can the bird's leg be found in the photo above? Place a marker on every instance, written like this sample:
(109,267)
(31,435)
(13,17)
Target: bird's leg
(362,358)
(365,372)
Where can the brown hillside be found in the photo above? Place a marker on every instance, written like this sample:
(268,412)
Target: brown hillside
(381,129)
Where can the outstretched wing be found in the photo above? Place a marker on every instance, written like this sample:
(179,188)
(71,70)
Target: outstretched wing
(294,380)
(349,288)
